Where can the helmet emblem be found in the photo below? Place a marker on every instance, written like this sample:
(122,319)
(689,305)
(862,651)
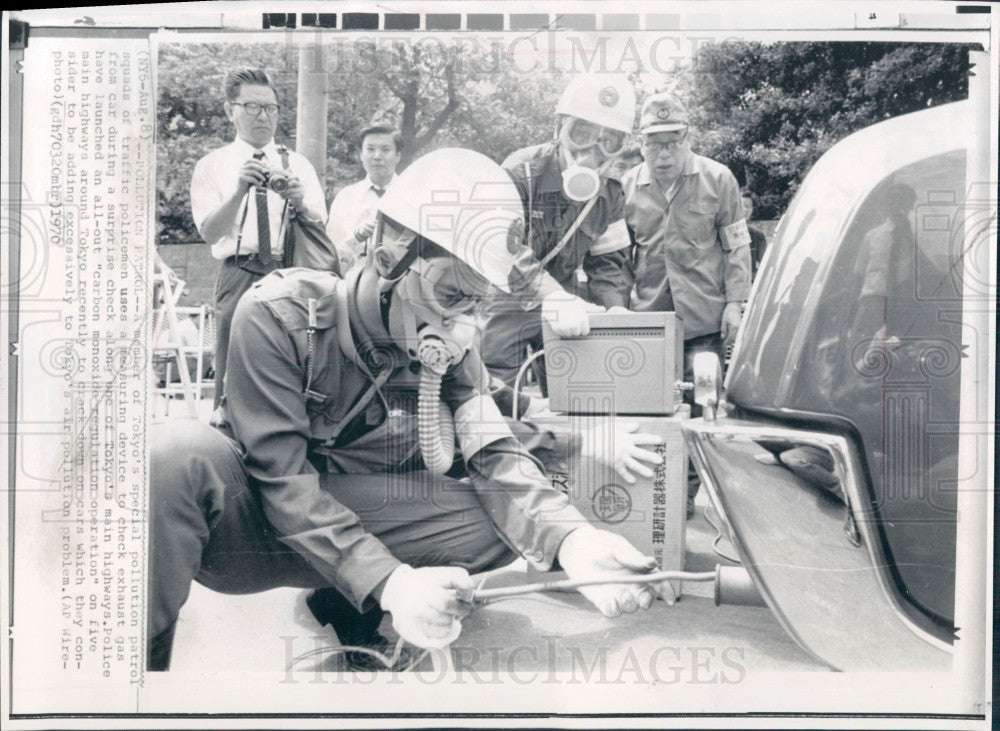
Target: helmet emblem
(608,96)
(663,112)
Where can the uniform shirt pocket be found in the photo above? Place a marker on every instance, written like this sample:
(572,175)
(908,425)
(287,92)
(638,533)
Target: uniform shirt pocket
(698,221)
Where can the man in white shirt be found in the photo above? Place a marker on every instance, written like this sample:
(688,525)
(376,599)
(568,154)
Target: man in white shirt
(352,213)
(236,212)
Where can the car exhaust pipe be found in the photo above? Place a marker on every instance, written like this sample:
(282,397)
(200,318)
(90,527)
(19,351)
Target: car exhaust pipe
(733,585)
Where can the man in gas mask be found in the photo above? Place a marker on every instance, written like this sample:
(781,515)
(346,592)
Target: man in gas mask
(575,217)
(345,402)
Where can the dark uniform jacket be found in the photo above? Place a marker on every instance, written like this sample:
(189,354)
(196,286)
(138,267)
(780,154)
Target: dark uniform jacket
(290,435)
(600,245)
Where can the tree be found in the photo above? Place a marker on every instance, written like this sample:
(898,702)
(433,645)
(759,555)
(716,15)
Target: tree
(769,111)
(439,95)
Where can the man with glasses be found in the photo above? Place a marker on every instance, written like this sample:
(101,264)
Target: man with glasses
(235,209)
(575,218)
(692,251)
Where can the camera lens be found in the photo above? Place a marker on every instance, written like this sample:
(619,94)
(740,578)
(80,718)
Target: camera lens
(278,183)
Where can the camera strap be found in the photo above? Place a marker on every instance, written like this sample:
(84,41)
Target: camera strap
(531,203)
(286,210)
(570,231)
(243,220)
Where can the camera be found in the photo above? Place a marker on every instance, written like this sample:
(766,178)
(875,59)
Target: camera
(276,180)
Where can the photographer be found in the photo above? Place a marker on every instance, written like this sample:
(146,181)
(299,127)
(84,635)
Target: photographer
(235,208)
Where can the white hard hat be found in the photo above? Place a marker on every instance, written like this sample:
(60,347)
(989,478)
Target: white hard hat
(604,99)
(463,202)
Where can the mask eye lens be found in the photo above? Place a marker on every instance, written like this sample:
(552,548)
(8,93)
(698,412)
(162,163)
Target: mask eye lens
(451,297)
(612,141)
(583,133)
(452,285)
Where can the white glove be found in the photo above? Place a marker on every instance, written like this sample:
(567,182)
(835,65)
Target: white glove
(537,406)
(428,604)
(588,553)
(616,444)
(730,323)
(567,314)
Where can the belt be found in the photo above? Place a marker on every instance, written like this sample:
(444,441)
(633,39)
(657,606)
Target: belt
(244,258)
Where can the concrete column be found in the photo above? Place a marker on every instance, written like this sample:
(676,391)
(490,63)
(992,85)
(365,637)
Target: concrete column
(310,120)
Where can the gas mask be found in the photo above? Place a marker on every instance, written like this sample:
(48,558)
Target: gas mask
(588,151)
(430,318)
(429,315)
(442,239)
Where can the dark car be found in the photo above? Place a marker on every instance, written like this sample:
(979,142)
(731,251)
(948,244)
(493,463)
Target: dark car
(832,457)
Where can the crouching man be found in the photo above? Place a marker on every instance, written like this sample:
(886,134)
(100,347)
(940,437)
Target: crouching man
(334,466)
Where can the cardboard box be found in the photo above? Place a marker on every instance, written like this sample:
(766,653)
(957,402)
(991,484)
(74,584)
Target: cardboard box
(628,364)
(652,513)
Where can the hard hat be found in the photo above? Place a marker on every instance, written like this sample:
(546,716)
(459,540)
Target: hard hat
(463,202)
(604,99)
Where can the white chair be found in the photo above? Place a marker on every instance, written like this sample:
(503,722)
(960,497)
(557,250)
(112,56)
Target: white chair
(175,346)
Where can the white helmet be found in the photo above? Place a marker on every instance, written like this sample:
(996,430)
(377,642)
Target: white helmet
(463,202)
(606,99)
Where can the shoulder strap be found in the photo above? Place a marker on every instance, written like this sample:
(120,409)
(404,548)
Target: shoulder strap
(311,352)
(287,211)
(572,230)
(347,345)
(344,326)
(531,203)
(243,220)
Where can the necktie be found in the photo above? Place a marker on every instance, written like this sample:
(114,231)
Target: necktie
(379,191)
(263,220)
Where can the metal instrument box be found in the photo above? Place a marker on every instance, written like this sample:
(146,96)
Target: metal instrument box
(652,513)
(628,364)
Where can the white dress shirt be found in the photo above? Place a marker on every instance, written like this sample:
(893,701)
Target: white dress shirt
(353,206)
(216,178)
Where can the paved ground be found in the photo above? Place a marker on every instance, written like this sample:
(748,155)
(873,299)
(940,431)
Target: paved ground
(530,636)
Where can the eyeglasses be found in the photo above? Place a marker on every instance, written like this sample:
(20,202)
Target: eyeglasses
(583,134)
(254,109)
(655,147)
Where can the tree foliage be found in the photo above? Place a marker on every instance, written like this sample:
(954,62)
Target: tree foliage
(769,112)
